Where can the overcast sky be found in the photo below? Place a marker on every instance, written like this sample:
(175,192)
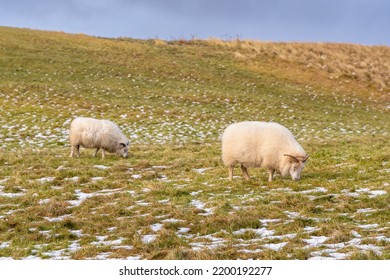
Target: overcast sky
(353,21)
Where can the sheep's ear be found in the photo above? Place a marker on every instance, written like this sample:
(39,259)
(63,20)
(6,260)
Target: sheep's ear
(122,145)
(305,158)
(292,157)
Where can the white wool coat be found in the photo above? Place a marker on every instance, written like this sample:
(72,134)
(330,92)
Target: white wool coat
(94,133)
(259,144)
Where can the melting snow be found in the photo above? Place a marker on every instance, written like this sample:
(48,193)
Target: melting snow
(201,206)
(183,230)
(46,179)
(314,241)
(368,226)
(275,247)
(263,232)
(149,238)
(200,170)
(103,167)
(156,227)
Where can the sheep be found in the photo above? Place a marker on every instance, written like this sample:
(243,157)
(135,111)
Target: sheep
(262,144)
(99,134)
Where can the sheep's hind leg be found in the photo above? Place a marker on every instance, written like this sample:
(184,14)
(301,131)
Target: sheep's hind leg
(96,151)
(245,173)
(74,149)
(103,153)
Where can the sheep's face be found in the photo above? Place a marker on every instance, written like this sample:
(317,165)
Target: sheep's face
(123,149)
(296,169)
(296,165)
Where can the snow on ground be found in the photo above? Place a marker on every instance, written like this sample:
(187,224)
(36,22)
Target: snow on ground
(263,236)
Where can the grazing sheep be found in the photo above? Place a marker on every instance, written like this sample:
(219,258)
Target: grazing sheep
(262,144)
(99,134)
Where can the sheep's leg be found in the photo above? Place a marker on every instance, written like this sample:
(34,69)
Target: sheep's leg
(231,168)
(103,153)
(77,148)
(271,173)
(96,151)
(245,172)
(71,151)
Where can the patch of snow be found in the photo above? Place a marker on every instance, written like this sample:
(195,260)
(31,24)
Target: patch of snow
(365,210)
(46,179)
(142,203)
(172,220)
(317,189)
(103,242)
(95,179)
(275,247)
(212,245)
(74,179)
(156,227)
(183,230)
(382,238)
(292,215)
(31,258)
(160,167)
(103,167)
(310,229)
(57,219)
(102,256)
(201,206)
(368,226)
(83,196)
(149,238)
(125,247)
(263,232)
(5,245)
(201,170)
(376,193)
(288,236)
(265,222)
(314,241)
(196,193)
(10,195)
(133,258)
(77,233)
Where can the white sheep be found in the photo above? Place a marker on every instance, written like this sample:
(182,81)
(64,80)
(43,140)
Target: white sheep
(99,134)
(262,144)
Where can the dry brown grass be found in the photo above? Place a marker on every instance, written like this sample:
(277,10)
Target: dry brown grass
(369,65)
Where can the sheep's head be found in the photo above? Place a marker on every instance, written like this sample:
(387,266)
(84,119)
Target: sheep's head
(296,165)
(123,149)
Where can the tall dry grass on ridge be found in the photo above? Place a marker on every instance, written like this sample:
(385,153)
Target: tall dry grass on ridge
(368,64)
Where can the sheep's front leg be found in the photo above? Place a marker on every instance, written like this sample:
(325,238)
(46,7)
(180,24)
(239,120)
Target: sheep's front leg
(74,149)
(245,173)
(71,151)
(231,168)
(103,153)
(96,151)
(271,173)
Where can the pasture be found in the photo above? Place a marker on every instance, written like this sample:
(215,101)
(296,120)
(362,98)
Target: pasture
(171,198)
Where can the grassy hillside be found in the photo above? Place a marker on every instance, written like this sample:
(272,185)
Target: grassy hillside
(170,199)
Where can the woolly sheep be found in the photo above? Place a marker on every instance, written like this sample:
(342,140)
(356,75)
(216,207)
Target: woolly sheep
(262,144)
(99,134)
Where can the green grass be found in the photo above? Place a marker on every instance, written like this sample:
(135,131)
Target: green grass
(170,199)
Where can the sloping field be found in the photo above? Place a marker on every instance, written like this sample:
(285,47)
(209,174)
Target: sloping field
(170,199)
